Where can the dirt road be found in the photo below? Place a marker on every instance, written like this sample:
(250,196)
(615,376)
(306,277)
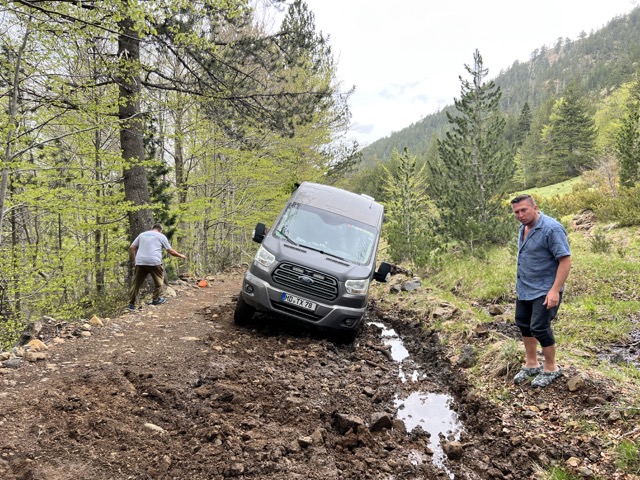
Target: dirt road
(179,392)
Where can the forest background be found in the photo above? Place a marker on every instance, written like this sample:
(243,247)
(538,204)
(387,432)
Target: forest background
(202,116)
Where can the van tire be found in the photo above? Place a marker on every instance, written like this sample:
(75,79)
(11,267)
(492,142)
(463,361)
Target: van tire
(244,312)
(347,337)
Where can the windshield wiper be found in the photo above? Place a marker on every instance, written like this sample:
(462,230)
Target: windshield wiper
(287,237)
(323,252)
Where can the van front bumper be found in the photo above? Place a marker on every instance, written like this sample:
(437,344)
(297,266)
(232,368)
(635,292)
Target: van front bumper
(264,297)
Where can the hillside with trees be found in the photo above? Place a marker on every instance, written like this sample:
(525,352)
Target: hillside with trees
(597,63)
(571,111)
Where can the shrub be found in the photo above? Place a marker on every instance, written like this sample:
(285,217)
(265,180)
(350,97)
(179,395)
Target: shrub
(580,199)
(600,243)
(623,209)
(10,330)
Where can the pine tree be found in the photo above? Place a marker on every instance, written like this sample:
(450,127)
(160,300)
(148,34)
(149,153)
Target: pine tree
(409,212)
(529,155)
(628,141)
(524,123)
(474,168)
(569,138)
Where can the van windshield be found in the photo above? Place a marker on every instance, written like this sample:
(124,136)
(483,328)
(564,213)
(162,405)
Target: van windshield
(327,232)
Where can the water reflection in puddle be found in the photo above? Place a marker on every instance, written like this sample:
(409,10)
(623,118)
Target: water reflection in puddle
(391,338)
(430,411)
(398,351)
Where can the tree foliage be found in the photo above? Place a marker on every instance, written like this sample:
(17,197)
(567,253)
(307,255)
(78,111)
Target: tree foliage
(475,164)
(569,137)
(599,62)
(411,216)
(529,156)
(628,140)
(119,112)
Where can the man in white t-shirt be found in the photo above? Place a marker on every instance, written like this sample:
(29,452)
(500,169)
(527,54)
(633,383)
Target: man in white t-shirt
(146,252)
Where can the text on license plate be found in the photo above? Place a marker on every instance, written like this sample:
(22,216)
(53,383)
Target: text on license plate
(298,302)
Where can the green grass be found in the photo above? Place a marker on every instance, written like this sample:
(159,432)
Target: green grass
(601,307)
(628,456)
(553,190)
(487,279)
(559,474)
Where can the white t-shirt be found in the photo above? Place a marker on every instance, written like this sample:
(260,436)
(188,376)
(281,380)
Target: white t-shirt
(150,245)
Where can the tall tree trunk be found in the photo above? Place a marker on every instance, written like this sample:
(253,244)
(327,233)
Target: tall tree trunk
(179,156)
(15,246)
(136,186)
(11,126)
(97,234)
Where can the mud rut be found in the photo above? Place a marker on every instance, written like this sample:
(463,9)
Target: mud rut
(179,392)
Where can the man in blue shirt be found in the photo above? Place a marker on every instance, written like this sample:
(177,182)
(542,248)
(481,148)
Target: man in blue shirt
(544,261)
(146,252)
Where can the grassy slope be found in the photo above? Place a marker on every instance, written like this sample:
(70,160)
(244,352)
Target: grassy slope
(555,189)
(601,308)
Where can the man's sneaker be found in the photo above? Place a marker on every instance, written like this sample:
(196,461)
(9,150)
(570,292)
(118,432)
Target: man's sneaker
(159,301)
(545,378)
(526,373)
(131,307)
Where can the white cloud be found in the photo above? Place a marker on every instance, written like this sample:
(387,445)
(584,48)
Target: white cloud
(405,57)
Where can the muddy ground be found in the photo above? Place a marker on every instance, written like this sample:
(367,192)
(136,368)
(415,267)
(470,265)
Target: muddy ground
(179,392)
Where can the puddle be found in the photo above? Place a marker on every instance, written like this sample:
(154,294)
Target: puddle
(398,351)
(391,338)
(430,411)
(624,353)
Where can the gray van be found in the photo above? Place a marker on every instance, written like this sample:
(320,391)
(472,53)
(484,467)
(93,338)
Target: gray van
(316,264)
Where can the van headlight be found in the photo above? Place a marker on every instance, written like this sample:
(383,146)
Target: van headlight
(357,287)
(264,259)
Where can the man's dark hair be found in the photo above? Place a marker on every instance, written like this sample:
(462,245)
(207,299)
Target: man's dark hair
(524,196)
(157,226)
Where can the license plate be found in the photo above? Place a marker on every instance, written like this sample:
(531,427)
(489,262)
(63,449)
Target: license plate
(298,302)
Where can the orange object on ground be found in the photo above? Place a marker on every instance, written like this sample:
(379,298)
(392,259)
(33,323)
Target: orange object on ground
(203,283)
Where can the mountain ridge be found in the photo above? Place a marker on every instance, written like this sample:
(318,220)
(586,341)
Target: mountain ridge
(600,62)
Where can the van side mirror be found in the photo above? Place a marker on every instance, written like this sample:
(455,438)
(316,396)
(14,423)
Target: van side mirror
(384,272)
(259,232)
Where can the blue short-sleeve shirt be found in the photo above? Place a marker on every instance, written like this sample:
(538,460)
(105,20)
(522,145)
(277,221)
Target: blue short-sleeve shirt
(538,257)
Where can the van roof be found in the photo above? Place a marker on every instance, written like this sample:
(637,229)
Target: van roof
(348,204)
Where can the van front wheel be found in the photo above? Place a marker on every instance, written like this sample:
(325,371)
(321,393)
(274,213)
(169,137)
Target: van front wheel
(244,312)
(347,337)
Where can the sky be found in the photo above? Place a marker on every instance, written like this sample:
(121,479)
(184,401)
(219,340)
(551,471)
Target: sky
(405,57)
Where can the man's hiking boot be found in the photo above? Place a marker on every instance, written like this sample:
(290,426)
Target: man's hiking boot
(545,378)
(526,373)
(159,301)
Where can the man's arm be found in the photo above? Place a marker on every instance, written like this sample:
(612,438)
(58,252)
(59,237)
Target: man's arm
(132,253)
(553,297)
(171,251)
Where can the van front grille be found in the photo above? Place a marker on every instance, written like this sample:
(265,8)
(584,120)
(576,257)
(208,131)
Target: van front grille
(306,281)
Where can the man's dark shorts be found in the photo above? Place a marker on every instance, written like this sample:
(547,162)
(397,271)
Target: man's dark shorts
(534,320)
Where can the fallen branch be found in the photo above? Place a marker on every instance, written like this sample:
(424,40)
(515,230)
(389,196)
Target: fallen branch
(384,350)
(373,364)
